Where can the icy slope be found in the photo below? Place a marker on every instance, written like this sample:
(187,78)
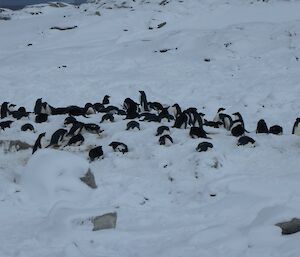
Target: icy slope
(171,201)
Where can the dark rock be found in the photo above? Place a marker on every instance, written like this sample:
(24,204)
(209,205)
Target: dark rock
(89,179)
(106,221)
(289,227)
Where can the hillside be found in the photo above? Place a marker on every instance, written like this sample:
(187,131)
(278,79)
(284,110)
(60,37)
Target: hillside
(170,200)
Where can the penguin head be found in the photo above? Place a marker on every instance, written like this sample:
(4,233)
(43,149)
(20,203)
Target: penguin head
(221,109)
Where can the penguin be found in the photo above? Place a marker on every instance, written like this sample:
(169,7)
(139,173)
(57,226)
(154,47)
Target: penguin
(204,146)
(165,115)
(76,140)
(92,128)
(162,130)
(217,116)
(5,124)
(119,147)
(38,106)
(181,121)
(105,99)
(59,110)
(107,117)
(70,120)
(131,108)
(237,129)
(41,117)
(166,140)
(38,145)
(276,130)
(196,132)
(177,110)
(262,127)
(156,106)
(213,124)
(150,117)
(46,108)
(132,125)
(75,129)
(95,153)
(110,109)
(143,102)
(74,110)
(98,107)
(89,109)
(296,127)
(27,126)
(239,118)
(20,113)
(226,120)
(57,136)
(244,140)
(4,110)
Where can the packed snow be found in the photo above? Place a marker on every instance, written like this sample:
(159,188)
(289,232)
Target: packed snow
(170,200)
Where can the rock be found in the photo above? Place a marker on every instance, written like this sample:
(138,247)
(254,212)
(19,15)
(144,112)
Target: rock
(64,28)
(289,227)
(105,221)
(14,145)
(161,25)
(97,13)
(89,179)
(57,4)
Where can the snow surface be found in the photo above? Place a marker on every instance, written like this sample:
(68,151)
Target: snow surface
(164,196)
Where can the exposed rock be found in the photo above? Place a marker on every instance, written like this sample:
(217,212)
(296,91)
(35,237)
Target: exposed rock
(105,221)
(64,28)
(89,179)
(161,25)
(289,227)
(14,145)
(4,18)
(57,4)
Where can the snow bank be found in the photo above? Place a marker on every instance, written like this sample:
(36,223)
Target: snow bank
(51,176)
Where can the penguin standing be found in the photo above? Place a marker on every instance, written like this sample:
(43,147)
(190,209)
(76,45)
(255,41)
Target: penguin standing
(217,116)
(105,99)
(38,144)
(262,127)
(144,102)
(4,110)
(226,120)
(239,118)
(38,106)
(296,127)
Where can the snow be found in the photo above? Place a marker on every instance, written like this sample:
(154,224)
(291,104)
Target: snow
(171,201)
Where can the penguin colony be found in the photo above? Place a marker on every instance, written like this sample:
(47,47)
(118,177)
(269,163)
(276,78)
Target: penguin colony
(73,131)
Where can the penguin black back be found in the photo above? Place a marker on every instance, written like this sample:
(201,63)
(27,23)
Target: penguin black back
(296,127)
(27,126)
(244,140)
(196,132)
(262,127)
(76,140)
(204,146)
(276,130)
(119,147)
(165,140)
(38,144)
(57,136)
(132,125)
(161,130)
(95,153)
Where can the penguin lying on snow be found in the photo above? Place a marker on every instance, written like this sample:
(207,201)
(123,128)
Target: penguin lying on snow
(196,132)
(76,140)
(166,140)
(244,140)
(107,117)
(150,117)
(132,125)
(70,120)
(119,147)
(276,130)
(41,117)
(26,127)
(162,130)
(92,128)
(204,146)
(95,153)
(5,124)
